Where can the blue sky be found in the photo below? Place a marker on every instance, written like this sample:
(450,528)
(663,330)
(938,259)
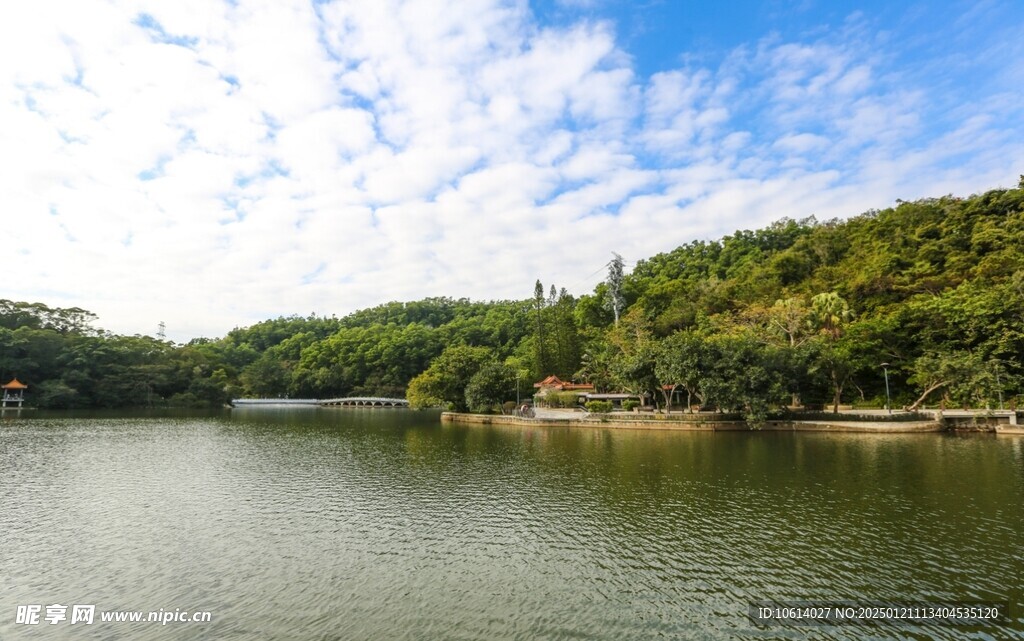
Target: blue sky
(211,164)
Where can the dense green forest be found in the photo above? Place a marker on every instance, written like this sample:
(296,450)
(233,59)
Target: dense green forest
(801,311)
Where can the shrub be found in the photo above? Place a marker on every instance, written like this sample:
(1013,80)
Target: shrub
(807,415)
(562,399)
(599,407)
(630,405)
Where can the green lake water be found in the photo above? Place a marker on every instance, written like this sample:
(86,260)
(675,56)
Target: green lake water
(387,525)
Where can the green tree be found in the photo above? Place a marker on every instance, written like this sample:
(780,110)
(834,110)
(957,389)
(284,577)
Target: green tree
(792,318)
(679,361)
(633,363)
(836,360)
(743,374)
(267,377)
(491,386)
(964,378)
(567,348)
(829,316)
(541,366)
(445,381)
(597,365)
(425,391)
(56,394)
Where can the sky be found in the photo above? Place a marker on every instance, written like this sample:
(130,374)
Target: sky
(211,164)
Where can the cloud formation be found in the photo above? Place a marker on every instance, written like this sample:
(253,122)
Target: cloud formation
(213,164)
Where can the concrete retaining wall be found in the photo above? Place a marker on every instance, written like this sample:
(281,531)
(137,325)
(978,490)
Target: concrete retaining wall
(701,426)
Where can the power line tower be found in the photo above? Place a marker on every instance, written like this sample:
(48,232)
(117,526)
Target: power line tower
(161,331)
(616,300)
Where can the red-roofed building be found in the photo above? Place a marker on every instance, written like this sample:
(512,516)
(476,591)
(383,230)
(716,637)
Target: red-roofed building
(555,384)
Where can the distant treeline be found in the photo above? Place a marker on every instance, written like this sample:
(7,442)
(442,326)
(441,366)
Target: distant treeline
(802,310)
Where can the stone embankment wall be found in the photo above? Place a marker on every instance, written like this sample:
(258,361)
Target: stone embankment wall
(624,422)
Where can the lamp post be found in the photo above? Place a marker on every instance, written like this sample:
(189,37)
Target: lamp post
(888,403)
(999,388)
(518,374)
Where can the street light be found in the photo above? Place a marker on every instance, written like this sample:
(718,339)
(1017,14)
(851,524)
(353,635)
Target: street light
(888,404)
(999,387)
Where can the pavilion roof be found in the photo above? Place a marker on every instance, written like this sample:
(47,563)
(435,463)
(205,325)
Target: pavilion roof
(14,384)
(558,384)
(550,381)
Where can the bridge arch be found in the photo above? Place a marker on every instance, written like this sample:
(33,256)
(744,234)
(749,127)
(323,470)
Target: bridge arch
(363,401)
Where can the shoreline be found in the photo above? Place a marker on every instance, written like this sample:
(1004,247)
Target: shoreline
(705,425)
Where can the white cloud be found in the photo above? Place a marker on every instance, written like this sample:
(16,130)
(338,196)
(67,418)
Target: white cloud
(801,143)
(210,164)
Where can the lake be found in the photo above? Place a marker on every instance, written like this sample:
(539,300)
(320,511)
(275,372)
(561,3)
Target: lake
(386,524)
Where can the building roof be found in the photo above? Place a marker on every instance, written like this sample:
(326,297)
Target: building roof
(550,381)
(558,384)
(14,384)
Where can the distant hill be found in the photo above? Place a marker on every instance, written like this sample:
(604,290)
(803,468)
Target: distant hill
(939,278)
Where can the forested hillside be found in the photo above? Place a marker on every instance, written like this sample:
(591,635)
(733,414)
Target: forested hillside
(804,311)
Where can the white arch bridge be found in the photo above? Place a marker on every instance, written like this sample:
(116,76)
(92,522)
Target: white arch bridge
(363,401)
(348,401)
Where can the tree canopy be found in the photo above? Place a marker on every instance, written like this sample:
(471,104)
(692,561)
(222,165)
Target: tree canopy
(800,310)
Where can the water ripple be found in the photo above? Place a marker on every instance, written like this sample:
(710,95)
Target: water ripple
(362,525)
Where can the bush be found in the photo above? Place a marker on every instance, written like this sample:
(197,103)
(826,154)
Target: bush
(185,399)
(561,399)
(599,407)
(630,405)
(807,415)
